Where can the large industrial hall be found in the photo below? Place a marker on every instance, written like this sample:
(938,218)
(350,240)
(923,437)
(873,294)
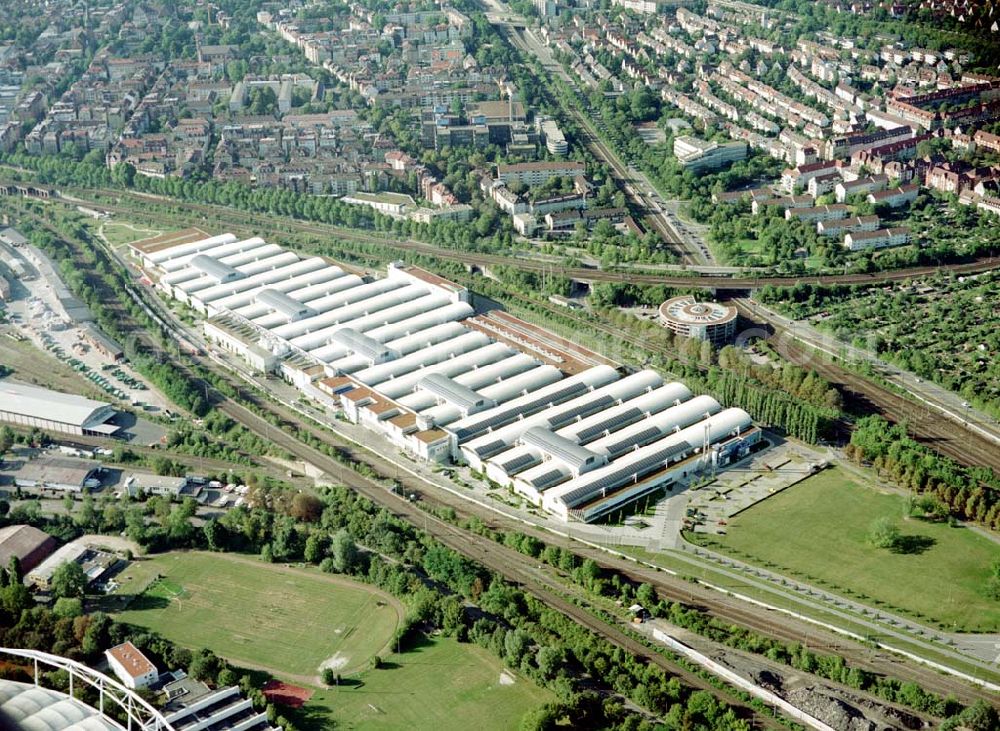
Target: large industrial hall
(409,356)
(31,406)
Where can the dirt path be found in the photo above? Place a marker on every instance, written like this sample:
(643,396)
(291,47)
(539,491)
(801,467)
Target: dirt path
(130,227)
(116,543)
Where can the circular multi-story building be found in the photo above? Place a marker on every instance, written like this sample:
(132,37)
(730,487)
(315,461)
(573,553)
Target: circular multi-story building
(700,320)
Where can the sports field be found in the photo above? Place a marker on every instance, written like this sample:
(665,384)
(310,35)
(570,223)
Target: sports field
(443,685)
(287,621)
(818,531)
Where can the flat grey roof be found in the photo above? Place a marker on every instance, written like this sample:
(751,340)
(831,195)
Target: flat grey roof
(57,470)
(146,480)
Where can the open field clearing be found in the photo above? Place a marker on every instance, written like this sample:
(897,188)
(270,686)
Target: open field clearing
(818,531)
(290,622)
(439,685)
(117,233)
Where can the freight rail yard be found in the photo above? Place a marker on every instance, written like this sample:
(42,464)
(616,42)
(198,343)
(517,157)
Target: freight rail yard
(409,356)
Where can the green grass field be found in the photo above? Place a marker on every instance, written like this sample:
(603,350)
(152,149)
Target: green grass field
(119,233)
(818,529)
(289,621)
(441,685)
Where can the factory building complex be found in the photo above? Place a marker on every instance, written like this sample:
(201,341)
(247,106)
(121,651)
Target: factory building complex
(409,356)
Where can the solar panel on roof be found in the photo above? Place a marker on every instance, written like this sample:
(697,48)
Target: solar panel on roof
(519,463)
(509,414)
(591,407)
(637,439)
(488,450)
(548,479)
(609,425)
(615,478)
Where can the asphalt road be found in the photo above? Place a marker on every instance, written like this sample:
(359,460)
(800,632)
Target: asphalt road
(669,586)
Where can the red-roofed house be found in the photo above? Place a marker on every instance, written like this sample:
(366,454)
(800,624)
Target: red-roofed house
(132,667)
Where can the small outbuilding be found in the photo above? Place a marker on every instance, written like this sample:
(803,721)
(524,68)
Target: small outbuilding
(131,667)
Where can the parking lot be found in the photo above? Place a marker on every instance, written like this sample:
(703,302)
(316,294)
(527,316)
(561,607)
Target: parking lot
(44,311)
(712,503)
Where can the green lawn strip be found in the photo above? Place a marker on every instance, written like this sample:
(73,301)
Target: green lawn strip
(440,685)
(818,531)
(260,614)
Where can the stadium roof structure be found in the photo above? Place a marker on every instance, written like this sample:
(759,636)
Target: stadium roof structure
(27,706)
(33,707)
(42,403)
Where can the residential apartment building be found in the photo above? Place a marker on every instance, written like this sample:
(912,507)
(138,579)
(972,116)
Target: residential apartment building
(880,239)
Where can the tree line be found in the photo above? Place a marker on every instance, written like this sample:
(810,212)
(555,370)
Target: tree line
(341,532)
(101,285)
(969,493)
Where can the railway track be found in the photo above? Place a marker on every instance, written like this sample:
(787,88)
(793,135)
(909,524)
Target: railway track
(592,141)
(675,588)
(672,587)
(925,424)
(510,564)
(506,562)
(260,223)
(596,145)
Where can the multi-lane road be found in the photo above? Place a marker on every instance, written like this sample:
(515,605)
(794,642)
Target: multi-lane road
(523,570)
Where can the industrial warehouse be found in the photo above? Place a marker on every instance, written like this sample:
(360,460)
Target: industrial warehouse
(31,406)
(407,355)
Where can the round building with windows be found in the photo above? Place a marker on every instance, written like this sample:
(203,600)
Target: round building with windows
(689,318)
